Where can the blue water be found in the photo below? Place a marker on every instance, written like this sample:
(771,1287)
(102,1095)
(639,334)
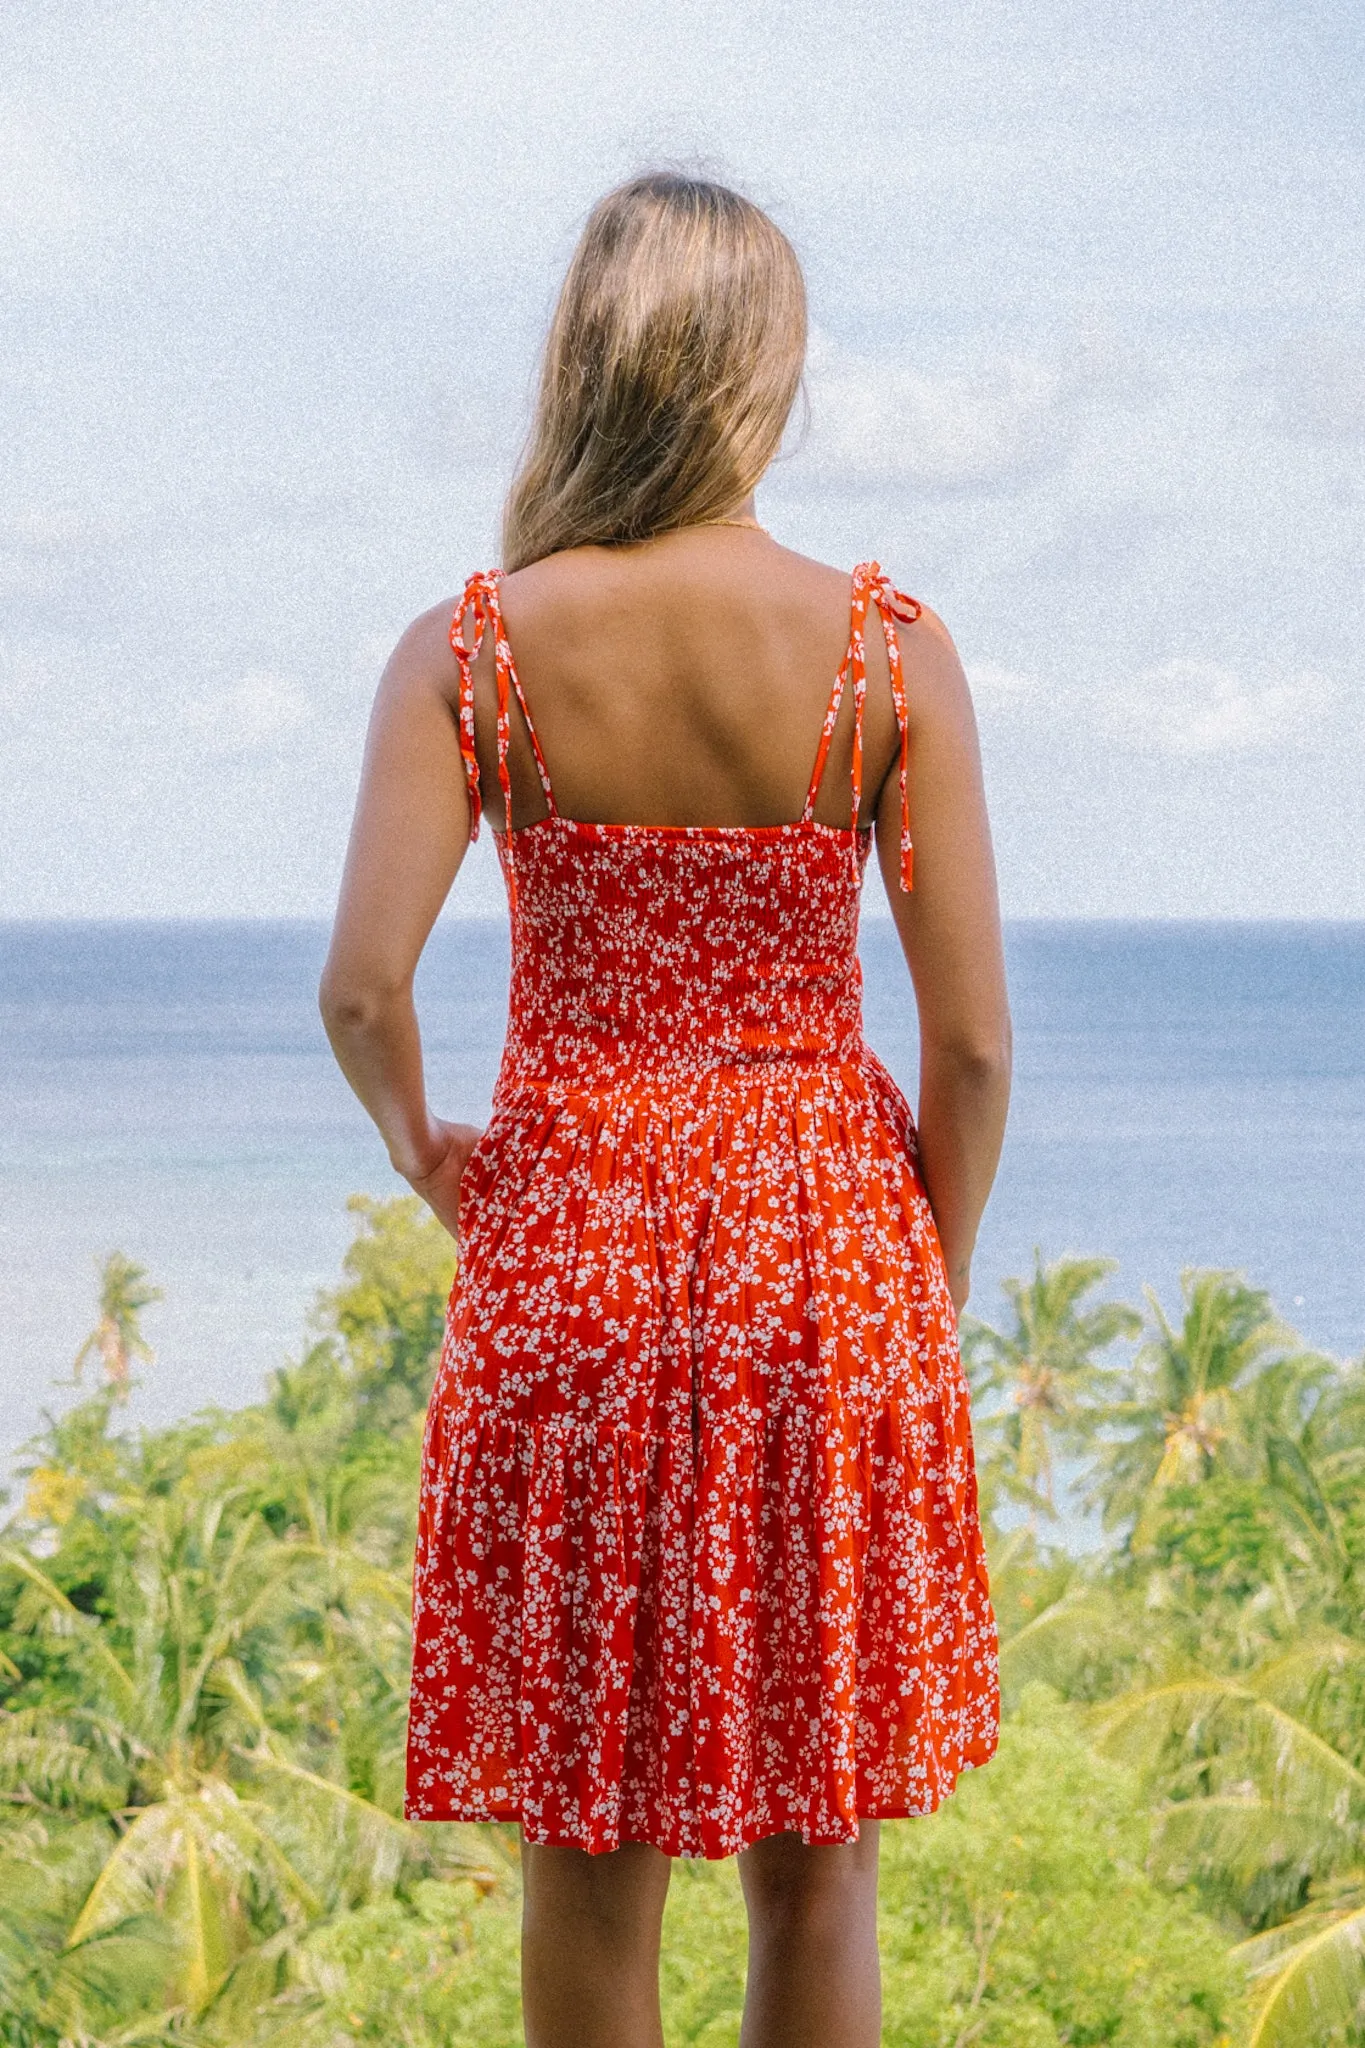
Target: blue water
(1184,1095)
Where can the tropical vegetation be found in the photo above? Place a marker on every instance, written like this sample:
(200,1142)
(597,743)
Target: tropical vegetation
(203,1667)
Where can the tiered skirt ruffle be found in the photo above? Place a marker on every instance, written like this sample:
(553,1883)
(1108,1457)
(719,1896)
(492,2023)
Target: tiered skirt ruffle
(699,1557)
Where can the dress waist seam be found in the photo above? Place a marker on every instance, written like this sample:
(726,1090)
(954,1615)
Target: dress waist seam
(672,1081)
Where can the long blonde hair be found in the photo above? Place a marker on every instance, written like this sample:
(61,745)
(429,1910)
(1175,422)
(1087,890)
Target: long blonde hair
(671,364)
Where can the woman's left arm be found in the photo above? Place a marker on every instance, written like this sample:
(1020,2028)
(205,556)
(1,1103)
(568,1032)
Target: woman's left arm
(408,838)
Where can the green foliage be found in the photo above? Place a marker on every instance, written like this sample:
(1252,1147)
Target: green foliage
(1225,1534)
(390,1313)
(205,1640)
(436,1969)
(1183,1414)
(1022,1914)
(1045,1373)
(1310,1975)
(204,1665)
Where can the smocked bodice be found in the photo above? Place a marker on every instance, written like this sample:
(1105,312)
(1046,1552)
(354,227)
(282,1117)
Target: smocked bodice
(647,954)
(650,953)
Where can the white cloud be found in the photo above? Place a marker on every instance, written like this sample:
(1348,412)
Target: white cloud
(1195,708)
(36,195)
(1181,708)
(43,547)
(1116,369)
(261,707)
(992,427)
(283,364)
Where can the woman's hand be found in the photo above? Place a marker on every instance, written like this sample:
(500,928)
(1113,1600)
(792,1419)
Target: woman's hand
(439,1183)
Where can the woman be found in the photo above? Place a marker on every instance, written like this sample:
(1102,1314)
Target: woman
(699,1566)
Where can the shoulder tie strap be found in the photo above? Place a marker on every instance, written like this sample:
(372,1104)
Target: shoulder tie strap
(854,664)
(507,676)
(477,599)
(481,600)
(893,605)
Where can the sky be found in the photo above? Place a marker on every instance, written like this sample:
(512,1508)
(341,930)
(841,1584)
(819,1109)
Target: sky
(1087,286)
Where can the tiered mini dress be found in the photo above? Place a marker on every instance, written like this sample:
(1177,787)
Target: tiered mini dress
(699,1558)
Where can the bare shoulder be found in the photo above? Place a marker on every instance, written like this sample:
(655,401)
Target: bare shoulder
(804,571)
(567,589)
(935,684)
(423,659)
(561,575)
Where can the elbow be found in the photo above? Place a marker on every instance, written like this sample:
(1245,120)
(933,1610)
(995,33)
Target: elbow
(343,1007)
(350,1005)
(981,1052)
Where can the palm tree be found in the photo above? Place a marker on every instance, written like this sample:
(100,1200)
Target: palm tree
(1310,1972)
(117,1338)
(189,1816)
(214,1619)
(1045,1368)
(1059,1623)
(1307,1415)
(1260,1799)
(1184,1416)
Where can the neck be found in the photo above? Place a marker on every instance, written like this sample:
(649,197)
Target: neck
(741,515)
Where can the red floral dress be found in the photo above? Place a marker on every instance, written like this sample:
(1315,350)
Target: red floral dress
(699,1558)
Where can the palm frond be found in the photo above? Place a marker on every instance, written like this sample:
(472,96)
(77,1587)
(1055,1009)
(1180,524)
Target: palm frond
(232,1623)
(1082,1626)
(1291,1763)
(41,1764)
(1301,1677)
(1244,1836)
(204,1935)
(83,1629)
(1314,1977)
(91,1986)
(133,1878)
(383,1841)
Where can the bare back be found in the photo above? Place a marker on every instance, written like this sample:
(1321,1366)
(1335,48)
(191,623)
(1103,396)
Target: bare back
(684,683)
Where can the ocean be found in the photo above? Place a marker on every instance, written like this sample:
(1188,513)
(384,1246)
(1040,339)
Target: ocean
(1185,1095)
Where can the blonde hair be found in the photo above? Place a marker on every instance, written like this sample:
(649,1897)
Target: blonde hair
(672,362)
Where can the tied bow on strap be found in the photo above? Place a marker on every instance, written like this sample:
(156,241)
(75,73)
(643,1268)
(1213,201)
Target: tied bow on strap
(889,599)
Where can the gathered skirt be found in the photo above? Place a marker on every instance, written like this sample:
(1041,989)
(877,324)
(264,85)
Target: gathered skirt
(699,1557)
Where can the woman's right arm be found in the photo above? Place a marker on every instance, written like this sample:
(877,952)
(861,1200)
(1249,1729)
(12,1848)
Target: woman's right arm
(949,927)
(410,832)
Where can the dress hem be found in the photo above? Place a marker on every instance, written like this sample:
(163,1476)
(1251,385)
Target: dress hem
(488,1811)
